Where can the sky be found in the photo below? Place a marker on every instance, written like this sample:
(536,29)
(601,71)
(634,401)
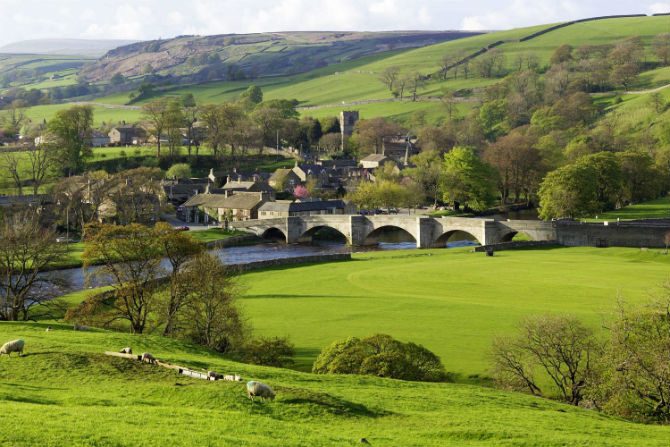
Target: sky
(152,19)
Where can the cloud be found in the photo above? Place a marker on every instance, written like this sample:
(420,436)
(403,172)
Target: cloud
(518,13)
(659,8)
(150,19)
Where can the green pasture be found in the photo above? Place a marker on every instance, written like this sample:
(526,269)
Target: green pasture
(65,391)
(452,301)
(653,209)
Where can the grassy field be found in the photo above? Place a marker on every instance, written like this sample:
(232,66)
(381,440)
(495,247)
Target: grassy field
(66,392)
(452,301)
(653,209)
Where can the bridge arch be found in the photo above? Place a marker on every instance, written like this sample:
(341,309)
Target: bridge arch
(308,235)
(459,234)
(274,233)
(373,237)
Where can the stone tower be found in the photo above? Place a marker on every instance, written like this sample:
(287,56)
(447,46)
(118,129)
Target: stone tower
(348,120)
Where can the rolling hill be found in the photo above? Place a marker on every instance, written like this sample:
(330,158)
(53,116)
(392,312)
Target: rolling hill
(253,55)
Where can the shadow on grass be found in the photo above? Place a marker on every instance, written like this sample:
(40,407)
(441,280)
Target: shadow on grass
(31,400)
(314,403)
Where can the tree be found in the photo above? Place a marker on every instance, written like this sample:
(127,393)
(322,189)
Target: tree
(491,64)
(10,162)
(569,191)
(330,143)
(253,94)
(117,79)
(415,81)
(213,120)
(174,121)
(179,171)
(179,248)
(130,256)
(641,179)
(137,196)
(389,76)
(213,318)
(427,172)
(450,102)
(26,251)
(561,347)
(191,114)
(369,134)
(636,374)
(157,113)
(269,351)
(561,55)
(661,46)
(14,118)
(608,179)
(72,129)
(466,179)
(380,355)
(518,163)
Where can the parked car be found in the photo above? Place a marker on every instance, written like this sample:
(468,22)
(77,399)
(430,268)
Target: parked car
(182,228)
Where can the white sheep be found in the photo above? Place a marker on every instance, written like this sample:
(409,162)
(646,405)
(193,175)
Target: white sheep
(148,358)
(126,350)
(259,389)
(12,346)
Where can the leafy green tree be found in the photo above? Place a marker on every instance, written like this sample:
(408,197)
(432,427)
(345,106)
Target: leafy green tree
(467,180)
(427,172)
(380,355)
(117,79)
(73,129)
(641,179)
(179,171)
(635,374)
(569,191)
(253,94)
(608,178)
(493,119)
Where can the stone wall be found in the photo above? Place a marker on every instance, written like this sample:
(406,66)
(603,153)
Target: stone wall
(649,233)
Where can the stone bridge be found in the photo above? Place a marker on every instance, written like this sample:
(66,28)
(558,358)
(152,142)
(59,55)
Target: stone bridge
(428,232)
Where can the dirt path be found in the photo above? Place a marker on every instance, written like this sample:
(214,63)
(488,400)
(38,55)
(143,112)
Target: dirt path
(651,90)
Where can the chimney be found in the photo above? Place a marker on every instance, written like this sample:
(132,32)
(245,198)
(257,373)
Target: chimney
(228,179)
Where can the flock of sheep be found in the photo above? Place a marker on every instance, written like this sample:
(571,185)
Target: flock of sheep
(254,389)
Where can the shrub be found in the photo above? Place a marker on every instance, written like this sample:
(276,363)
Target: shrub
(380,355)
(272,351)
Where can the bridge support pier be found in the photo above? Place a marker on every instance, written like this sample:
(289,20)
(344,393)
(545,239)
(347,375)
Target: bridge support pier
(424,232)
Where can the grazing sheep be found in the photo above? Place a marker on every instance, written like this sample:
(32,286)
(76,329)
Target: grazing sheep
(259,389)
(126,350)
(12,346)
(49,329)
(148,358)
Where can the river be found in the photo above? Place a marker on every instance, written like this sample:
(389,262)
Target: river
(79,278)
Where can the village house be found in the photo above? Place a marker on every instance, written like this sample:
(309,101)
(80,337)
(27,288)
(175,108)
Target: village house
(217,208)
(126,136)
(235,186)
(287,208)
(374,161)
(284,180)
(99,139)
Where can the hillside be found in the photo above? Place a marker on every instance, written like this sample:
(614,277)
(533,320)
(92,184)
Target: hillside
(356,84)
(233,56)
(75,47)
(66,392)
(39,70)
